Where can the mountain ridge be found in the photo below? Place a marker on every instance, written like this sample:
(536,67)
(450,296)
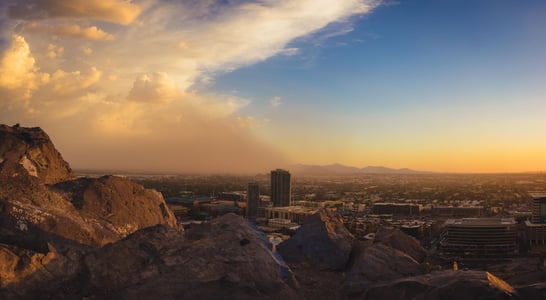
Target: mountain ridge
(339,169)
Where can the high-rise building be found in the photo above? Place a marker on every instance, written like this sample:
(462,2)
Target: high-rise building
(280,187)
(252,200)
(538,208)
(536,227)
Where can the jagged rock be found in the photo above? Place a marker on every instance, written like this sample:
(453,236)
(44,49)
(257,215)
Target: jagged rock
(33,150)
(322,240)
(125,205)
(23,270)
(445,285)
(88,211)
(77,211)
(226,259)
(396,239)
(377,263)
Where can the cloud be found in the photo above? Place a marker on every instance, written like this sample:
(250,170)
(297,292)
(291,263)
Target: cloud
(226,40)
(275,101)
(115,11)
(73,31)
(18,71)
(62,85)
(54,51)
(245,122)
(290,51)
(142,100)
(153,87)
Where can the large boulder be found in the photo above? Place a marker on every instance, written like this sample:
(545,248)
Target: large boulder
(23,271)
(445,285)
(124,205)
(33,150)
(396,239)
(377,263)
(41,202)
(225,259)
(322,241)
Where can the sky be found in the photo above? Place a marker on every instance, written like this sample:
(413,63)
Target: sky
(231,86)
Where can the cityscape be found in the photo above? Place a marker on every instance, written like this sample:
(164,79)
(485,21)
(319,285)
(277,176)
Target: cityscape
(420,205)
(272,149)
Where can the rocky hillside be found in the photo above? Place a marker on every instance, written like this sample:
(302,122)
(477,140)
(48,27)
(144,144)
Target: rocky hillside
(33,150)
(42,202)
(225,259)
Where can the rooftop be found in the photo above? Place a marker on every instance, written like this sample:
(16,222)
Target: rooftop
(539,194)
(534,225)
(471,222)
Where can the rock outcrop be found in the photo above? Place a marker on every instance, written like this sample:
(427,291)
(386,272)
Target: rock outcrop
(42,203)
(33,150)
(377,263)
(396,239)
(445,285)
(322,241)
(225,259)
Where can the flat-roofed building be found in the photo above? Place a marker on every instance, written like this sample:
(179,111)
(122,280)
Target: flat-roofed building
(479,239)
(457,211)
(407,209)
(538,208)
(296,214)
(280,187)
(536,227)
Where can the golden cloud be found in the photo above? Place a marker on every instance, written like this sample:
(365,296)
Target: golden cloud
(115,11)
(74,31)
(153,87)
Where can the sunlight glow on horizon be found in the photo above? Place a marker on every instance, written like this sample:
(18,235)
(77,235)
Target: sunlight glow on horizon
(246,86)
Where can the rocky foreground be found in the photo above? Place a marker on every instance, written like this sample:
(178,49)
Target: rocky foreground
(63,237)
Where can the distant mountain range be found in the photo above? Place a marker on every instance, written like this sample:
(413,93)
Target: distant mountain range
(338,169)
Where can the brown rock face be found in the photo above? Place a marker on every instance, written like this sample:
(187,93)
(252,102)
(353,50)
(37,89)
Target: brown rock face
(445,285)
(33,150)
(396,239)
(377,263)
(225,259)
(322,240)
(37,207)
(124,205)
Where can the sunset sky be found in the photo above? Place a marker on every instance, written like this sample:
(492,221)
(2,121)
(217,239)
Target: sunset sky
(246,86)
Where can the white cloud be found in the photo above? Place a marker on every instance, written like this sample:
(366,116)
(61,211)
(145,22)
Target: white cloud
(227,40)
(275,101)
(290,51)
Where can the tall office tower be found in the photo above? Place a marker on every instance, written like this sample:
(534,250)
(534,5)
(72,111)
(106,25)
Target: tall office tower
(539,208)
(252,200)
(280,187)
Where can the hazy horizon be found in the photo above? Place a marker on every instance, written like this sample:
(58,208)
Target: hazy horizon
(249,86)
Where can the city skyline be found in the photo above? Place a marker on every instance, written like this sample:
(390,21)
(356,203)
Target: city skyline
(250,86)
